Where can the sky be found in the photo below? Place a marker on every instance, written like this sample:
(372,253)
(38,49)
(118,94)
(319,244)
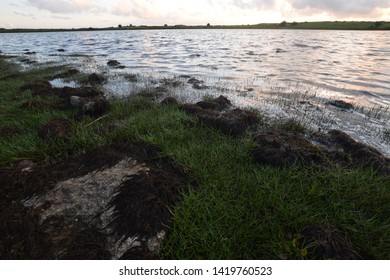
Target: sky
(107,13)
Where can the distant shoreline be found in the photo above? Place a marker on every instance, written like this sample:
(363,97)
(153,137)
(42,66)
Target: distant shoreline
(323,25)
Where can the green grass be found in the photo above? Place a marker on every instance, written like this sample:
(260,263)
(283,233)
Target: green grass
(235,209)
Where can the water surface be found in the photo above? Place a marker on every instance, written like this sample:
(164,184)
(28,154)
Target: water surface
(356,63)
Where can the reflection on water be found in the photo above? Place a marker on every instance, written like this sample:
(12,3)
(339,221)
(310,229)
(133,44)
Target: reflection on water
(351,62)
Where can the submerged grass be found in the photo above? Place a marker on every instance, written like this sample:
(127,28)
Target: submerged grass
(236,209)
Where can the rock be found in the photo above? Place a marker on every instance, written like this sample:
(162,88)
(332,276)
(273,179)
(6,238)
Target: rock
(26,165)
(85,92)
(161,89)
(197,84)
(76,101)
(29,53)
(93,107)
(341,104)
(61,50)
(278,148)
(40,88)
(169,101)
(113,63)
(194,81)
(200,86)
(96,79)
(56,128)
(96,107)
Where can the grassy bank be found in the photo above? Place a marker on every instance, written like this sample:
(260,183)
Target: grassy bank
(235,208)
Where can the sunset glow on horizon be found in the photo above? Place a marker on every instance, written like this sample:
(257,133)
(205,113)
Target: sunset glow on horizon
(103,13)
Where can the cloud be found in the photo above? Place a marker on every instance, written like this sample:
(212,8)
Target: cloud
(350,7)
(28,15)
(142,9)
(63,6)
(250,4)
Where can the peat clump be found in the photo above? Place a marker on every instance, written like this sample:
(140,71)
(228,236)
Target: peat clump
(280,148)
(360,154)
(324,241)
(232,122)
(283,148)
(84,92)
(40,88)
(96,79)
(170,101)
(142,200)
(56,128)
(8,131)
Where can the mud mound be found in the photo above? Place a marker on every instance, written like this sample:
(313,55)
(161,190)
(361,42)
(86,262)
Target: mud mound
(326,242)
(111,202)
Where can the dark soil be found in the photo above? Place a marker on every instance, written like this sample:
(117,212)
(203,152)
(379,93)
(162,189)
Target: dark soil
(140,205)
(8,131)
(57,128)
(326,242)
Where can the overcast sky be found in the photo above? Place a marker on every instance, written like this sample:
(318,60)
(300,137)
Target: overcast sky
(104,13)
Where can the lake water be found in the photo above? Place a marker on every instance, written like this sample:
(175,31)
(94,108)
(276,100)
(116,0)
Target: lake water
(355,63)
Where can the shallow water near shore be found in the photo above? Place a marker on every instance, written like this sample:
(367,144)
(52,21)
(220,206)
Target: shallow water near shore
(345,63)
